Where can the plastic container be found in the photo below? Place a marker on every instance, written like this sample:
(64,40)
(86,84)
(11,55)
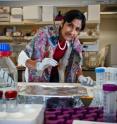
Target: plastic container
(109,102)
(11,100)
(111,75)
(100,80)
(100,75)
(8,71)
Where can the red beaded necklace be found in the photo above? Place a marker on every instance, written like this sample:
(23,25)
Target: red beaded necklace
(62,48)
(60,51)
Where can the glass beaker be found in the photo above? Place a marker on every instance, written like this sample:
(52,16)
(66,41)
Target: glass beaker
(1,101)
(11,100)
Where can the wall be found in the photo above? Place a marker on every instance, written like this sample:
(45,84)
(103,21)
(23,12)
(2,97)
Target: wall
(108,31)
(55,2)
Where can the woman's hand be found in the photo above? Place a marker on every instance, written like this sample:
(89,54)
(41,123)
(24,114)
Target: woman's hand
(46,62)
(87,81)
(40,66)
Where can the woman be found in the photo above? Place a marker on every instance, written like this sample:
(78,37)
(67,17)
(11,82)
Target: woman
(55,53)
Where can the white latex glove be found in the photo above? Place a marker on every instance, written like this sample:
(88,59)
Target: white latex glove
(46,62)
(22,58)
(85,80)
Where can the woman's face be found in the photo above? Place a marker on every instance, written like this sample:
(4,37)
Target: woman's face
(69,31)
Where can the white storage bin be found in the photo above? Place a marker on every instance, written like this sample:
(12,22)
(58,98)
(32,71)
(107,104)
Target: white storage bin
(32,13)
(94,12)
(16,11)
(4,10)
(4,17)
(47,13)
(16,18)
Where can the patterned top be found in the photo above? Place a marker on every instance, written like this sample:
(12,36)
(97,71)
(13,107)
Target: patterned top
(43,45)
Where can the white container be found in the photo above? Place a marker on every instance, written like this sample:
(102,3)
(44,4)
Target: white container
(32,13)
(109,102)
(107,74)
(100,75)
(47,13)
(16,18)
(16,11)
(94,12)
(100,80)
(111,75)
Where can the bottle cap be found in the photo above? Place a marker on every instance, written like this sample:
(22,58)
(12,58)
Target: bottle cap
(11,94)
(99,70)
(109,87)
(5,49)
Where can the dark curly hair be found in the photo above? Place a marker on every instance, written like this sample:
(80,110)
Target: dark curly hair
(75,14)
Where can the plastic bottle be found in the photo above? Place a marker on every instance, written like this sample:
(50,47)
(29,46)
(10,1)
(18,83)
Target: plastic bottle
(100,75)
(59,17)
(100,79)
(113,75)
(109,102)
(8,71)
(107,74)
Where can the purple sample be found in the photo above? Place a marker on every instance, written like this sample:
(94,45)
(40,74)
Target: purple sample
(94,115)
(89,119)
(100,119)
(67,115)
(50,117)
(69,121)
(60,121)
(78,117)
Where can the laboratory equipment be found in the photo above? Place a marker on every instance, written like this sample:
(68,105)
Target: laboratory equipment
(100,75)
(109,102)
(11,100)
(100,80)
(8,71)
(1,101)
